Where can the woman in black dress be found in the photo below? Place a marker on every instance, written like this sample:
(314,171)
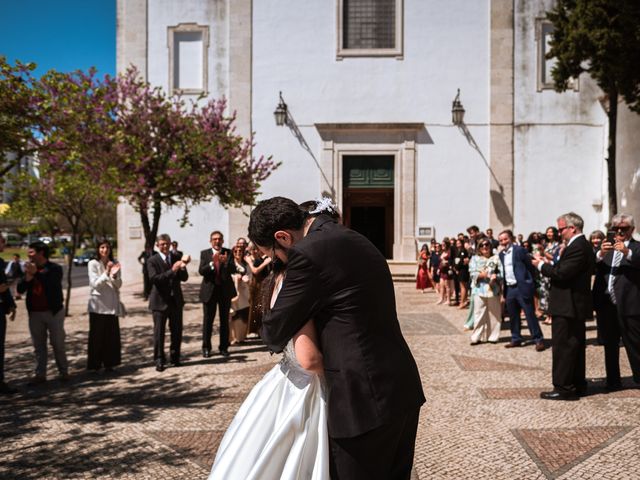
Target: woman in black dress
(461,266)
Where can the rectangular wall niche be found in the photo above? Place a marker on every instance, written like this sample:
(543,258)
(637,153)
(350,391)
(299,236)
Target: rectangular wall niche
(544,35)
(188,44)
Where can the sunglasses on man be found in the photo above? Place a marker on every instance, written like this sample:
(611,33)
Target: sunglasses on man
(621,230)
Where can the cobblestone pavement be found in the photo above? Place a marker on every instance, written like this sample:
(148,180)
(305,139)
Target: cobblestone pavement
(483,417)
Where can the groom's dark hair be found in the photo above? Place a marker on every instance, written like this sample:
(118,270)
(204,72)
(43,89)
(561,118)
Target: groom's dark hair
(277,213)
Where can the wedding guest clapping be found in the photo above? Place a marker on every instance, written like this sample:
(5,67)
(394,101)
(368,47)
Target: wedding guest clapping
(104,310)
(42,283)
(239,320)
(166,301)
(260,266)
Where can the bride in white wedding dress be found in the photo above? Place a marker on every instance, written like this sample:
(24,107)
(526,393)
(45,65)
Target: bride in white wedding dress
(280,431)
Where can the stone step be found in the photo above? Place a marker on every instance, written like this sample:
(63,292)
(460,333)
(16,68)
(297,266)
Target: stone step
(403,279)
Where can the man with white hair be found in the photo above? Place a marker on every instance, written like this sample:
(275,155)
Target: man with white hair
(617,293)
(570,304)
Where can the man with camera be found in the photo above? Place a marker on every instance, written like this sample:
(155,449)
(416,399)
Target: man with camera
(616,293)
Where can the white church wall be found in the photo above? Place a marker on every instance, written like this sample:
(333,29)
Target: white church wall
(453,182)
(555,173)
(445,47)
(162,14)
(559,139)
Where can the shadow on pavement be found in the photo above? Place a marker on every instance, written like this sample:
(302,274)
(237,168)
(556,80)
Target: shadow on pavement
(87,414)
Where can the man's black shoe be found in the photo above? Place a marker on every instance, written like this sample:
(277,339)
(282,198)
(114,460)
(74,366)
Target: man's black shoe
(159,366)
(176,363)
(224,353)
(513,345)
(613,387)
(206,353)
(6,389)
(555,395)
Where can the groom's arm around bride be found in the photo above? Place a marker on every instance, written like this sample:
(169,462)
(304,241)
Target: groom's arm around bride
(338,277)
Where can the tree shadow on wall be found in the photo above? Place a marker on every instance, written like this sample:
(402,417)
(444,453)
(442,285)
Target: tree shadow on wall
(501,208)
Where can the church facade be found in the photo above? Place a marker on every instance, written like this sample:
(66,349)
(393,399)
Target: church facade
(364,91)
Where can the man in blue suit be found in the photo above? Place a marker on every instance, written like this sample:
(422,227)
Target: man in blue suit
(519,288)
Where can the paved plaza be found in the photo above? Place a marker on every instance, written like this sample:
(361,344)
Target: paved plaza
(482,419)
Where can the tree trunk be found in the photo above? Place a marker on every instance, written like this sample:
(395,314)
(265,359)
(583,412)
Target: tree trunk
(72,254)
(157,210)
(611,152)
(146,230)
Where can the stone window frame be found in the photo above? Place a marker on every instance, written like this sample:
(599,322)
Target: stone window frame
(541,82)
(188,28)
(397,51)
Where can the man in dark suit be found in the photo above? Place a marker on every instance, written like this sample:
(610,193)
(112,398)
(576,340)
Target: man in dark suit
(7,307)
(338,278)
(570,304)
(166,300)
(518,290)
(43,284)
(216,291)
(616,294)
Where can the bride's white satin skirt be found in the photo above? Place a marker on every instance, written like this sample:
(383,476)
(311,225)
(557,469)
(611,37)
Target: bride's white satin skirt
(279,432)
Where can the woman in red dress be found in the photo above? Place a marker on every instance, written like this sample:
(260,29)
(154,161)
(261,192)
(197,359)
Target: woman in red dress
(423,278)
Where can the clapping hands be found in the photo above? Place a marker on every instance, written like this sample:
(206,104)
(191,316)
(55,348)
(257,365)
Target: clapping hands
(115,269)
(537,259)
(182,263)
(30,269)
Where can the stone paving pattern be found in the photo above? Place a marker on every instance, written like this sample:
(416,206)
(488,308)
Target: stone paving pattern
(483,417)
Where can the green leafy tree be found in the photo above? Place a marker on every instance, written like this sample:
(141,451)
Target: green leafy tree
(75,116)
(18,114)
(601,38)
(66,192)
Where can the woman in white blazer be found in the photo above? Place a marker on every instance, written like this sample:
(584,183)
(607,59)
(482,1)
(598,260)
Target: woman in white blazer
(104,310)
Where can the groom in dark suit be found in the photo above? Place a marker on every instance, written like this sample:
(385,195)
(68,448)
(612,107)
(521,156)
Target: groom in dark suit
(338,278)
(166,271)
(570,304)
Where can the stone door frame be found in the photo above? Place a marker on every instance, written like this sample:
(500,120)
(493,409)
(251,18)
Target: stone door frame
(397,140)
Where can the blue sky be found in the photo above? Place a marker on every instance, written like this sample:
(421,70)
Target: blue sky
(65,35)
